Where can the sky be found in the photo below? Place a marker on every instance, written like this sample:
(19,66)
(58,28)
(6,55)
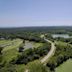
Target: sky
(20,13)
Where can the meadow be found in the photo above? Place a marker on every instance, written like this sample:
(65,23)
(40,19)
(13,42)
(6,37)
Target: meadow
(65,67)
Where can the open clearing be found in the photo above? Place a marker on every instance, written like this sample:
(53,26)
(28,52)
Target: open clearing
(5,43)
(65,67)
(11,51)
(31,44)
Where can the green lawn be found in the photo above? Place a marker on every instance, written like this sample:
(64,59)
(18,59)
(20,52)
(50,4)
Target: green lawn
(65,67)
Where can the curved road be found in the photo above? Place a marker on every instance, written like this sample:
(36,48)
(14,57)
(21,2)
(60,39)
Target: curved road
(50,53)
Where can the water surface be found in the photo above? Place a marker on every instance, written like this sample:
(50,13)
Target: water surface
(61,35)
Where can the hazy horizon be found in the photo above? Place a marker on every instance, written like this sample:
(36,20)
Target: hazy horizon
(27,13)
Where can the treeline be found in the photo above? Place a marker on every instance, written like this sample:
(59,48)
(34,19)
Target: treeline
(12,32)
(67,40)
(62,54)
(8,68)
(32,54)
(31,36)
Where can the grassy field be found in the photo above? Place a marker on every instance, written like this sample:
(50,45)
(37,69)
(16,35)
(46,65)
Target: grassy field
(65,67)
(62,43)
(38,44)
(5,42)
(14,44)
(36,66)
(11,51)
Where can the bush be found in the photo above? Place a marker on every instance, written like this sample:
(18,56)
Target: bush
(32,54)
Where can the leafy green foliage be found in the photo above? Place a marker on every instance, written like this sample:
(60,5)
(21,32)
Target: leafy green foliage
(32,54)
(8,68)
(36,66)
(63,53)
(1,48)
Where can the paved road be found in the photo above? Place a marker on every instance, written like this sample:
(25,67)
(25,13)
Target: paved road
(51,52)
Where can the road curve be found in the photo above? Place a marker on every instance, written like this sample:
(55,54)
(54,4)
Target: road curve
(50,53)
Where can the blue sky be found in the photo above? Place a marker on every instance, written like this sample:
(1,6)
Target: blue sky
(16,13)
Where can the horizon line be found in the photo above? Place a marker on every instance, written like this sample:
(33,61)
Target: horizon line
(37,26)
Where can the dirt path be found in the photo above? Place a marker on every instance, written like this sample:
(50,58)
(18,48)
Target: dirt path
(49,55)
(26,70)
(51,52)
